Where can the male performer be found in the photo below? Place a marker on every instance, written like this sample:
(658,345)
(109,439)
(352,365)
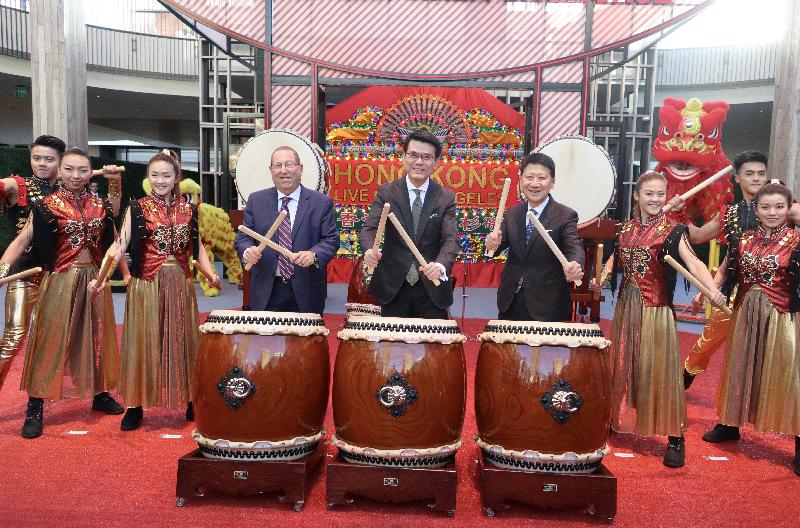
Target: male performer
(534,286)
(279,284)
(751,174)
(427,212)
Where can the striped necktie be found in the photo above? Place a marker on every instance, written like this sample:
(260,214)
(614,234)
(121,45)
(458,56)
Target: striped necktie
(285,266)
(528,232)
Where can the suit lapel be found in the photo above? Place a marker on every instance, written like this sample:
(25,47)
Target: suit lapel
(431,196)
(300,214)
(271,208)
(401,197)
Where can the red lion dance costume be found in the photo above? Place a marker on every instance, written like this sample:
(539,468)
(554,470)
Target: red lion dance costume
(689,150)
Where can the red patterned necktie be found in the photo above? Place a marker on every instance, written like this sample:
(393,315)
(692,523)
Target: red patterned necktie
(285,266)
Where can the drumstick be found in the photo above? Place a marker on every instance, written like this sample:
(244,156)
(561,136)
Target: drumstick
(270,244)
(695,282)
(100,172)
(379,232)
(410,244)
(20,275)
(501,209)
(546,237)
(196,265)
(700,186)
(598,268)
(275,225)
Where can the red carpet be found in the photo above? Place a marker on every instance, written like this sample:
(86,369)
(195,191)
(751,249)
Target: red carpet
(109,478)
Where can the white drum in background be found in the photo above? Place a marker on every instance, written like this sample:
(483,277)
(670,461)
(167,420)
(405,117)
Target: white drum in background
(252,164)
(585,175)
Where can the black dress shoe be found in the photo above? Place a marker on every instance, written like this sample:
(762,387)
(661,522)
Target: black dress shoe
(132,419)
(189,412)
(722,433)
(796,461)
(688,378)
(675,456)
(104,403)
(32,427)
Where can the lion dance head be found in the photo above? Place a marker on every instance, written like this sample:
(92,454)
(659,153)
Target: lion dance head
(688,148)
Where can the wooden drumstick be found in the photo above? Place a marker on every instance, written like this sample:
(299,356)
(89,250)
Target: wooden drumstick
(196,265)
(272,230)
(700,186)
(270,244)
(100,172)
(694,281)
(598,268)
(501,210)
(410,244)
(379,233)
(20,275)
(549,241)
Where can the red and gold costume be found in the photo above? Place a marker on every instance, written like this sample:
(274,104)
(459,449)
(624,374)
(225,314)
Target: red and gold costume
(760,381)
(734,220)
(21,295)
(73,332)
(160,336)
(647,396)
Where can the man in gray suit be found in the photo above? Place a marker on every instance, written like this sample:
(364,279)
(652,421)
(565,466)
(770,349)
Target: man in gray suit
(427,211)
(533,285)
(309,230)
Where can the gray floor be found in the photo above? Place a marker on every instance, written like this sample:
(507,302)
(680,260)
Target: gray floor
(475,302)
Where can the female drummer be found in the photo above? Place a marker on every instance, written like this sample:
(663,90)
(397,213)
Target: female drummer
(761,376)
(159,336)
(72,332)
(648,396)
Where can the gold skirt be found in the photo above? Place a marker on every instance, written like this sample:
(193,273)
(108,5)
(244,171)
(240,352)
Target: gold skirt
(159,340)
(648,397)
(760,381)
(72,333)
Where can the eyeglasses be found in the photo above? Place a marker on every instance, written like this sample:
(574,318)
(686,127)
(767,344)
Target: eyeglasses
(415,156)
(289,165)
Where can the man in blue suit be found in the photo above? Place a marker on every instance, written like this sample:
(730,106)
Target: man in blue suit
(279,284)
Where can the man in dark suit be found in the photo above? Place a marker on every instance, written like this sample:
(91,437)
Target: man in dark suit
(427,211)
(277,283)
(534,286)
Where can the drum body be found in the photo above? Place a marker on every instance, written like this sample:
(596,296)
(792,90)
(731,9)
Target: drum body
(399,391)
(543,396)
(260,387)
(359,301)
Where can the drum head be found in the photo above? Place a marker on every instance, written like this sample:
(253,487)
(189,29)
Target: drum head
(252,164)
(585,175)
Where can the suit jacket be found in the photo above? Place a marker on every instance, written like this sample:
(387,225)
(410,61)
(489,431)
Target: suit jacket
(436,238)
(546,289)
(314,229)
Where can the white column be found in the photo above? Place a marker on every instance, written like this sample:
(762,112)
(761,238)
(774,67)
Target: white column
(58,70)
(784,143)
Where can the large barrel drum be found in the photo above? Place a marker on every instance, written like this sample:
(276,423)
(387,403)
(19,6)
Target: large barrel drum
(260,387)
(399,390)
(543,396)
(359,301)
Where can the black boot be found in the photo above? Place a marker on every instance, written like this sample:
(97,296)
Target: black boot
(688,378)
(189,412)
(132,419)
(32,427)
(796,461)
(722,433)
(675,456)
(104,403)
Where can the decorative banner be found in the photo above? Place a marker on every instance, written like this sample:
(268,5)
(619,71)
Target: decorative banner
(355,181)
(481,142)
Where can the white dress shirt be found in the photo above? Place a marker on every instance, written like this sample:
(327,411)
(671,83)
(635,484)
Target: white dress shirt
(292,205)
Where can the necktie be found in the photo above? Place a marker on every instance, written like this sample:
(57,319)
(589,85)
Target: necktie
(528,231)
(285,266)
(416,208)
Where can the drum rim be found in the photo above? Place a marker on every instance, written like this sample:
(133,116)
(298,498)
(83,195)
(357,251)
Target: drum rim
(532,455)
(321,164)
(605,153)
(406,453)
